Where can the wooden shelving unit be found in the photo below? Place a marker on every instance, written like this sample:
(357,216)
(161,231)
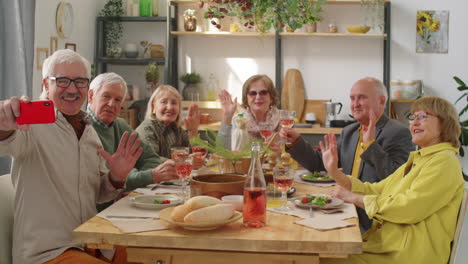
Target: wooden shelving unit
(223,34)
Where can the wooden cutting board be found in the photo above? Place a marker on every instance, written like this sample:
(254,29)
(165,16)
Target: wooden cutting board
(293,93)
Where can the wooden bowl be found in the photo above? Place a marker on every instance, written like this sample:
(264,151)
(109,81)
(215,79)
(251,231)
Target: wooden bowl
(217,185)
(358,29)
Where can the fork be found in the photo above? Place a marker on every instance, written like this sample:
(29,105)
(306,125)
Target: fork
(311,212)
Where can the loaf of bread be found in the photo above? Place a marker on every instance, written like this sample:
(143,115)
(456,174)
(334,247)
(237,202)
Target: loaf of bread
(218,212)
(180,212)
(198,202)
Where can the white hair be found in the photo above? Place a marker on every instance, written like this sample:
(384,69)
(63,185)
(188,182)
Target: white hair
(59,57)
(107,78)
(379,86)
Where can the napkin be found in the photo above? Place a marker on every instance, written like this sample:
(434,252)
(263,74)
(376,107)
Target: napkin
(323,224)
(138,225)
(124,208)
(320,220)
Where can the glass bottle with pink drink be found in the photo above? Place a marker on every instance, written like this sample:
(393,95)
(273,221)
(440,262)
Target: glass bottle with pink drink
(255,192)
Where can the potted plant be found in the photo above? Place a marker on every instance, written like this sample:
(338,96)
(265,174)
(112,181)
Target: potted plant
(191,80)
(267,14)
(112,29)
(152,77)
(464,124)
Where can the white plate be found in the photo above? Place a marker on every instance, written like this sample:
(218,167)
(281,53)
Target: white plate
(147,201)
(317,180)
(335,203)
(166,216)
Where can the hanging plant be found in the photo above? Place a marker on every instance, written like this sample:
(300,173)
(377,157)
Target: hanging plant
(374,12)
(266,14)
(113,29)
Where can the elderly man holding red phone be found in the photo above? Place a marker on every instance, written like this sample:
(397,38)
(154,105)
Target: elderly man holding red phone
(59,169)
(105,97)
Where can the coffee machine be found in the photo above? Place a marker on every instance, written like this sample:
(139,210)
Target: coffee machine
(332,110)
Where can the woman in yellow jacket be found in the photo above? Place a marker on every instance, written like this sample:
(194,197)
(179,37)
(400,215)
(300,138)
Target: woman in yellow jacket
(415,209)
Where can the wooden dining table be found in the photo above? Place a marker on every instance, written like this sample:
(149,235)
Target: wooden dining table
(280,241)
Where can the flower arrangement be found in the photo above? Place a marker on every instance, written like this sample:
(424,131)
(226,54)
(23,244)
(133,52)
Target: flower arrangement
(427,24)
(266,14)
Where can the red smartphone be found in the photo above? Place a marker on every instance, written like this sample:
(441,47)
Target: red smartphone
(36,112)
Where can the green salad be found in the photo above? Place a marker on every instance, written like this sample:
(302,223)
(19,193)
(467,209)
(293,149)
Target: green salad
(316,176)
(316,200)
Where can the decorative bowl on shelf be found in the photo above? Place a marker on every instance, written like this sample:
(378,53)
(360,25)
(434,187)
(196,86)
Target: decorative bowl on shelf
(358,29)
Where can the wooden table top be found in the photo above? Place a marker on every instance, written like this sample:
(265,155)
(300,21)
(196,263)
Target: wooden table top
(280,235)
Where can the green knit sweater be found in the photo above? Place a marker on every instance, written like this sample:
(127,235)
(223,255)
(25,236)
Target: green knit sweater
(141,175)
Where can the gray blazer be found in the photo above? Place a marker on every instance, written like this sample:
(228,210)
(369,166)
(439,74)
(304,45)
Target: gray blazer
(389,151)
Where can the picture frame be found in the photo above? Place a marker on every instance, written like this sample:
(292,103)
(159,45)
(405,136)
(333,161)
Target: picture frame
(71,46)
(41,55)
(53,44)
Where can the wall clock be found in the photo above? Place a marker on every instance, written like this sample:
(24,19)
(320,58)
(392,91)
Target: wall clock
(64,19)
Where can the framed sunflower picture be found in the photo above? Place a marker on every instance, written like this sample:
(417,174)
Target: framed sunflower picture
(432,31)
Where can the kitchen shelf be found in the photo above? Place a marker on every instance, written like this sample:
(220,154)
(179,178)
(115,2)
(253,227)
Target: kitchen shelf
(321,34)
(223,33)
(129,61)
(134,19)
(329,2)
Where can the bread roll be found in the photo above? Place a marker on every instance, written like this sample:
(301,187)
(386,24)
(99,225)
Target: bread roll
(198,202)
(180,212)
(218,212)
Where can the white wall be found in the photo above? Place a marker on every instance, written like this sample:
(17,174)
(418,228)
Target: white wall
(85,12)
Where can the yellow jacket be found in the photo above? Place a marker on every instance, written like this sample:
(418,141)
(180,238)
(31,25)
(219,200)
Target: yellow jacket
(415,209)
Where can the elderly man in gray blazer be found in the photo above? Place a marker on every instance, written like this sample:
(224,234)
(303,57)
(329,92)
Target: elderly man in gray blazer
(370,149)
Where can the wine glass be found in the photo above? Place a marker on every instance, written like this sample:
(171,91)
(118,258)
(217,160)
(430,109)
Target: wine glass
(183,166)
(199,154)
(283,178)
(266,130)
(287,118)
(179,152)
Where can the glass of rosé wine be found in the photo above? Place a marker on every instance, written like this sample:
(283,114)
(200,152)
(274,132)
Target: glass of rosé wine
(183,166)
(266,130)
(287,118)
(199,154)
(283,178)
(179,152)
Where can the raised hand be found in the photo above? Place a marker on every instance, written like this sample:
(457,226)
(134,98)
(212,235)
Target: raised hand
(348,197)
(229,106)
(192,120)
(369,131)
(165,171)
(123,160)
(9,111)
(329,154)
(289,134)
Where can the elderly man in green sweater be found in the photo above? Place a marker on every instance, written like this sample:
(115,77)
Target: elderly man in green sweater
(105,97)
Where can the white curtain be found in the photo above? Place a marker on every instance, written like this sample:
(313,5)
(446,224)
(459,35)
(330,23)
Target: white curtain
(16,52)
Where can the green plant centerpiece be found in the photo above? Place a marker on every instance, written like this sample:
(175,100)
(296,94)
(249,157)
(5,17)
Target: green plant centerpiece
(112,28)
(152,77)
(265,15)
(464,124)
(191,91)
(214,145)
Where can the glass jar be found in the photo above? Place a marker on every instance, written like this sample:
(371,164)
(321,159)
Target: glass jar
(190,23)
(332,28)
(146,8)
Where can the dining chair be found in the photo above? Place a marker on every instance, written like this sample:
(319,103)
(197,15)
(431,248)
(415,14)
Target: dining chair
(461,218)
(7,197)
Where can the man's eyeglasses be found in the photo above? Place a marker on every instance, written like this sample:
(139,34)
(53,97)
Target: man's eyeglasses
(261,93)
(64,82)
(420,117)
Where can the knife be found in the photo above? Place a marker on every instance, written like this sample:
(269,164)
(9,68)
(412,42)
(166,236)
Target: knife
(130,217)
